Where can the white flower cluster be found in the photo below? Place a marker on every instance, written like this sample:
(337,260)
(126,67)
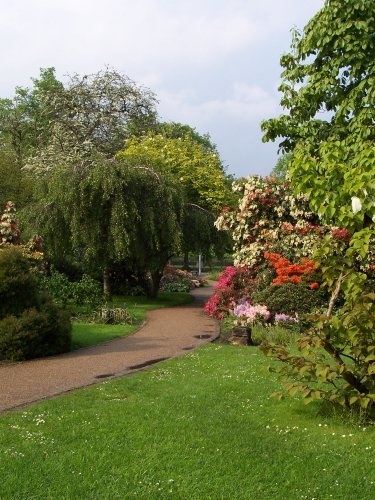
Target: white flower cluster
(257,224)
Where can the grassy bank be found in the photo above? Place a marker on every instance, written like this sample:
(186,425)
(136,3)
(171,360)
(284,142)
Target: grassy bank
(199,427)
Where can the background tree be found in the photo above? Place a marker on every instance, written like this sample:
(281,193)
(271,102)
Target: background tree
(25,127)
(328,89)
(280,170)
(193,161)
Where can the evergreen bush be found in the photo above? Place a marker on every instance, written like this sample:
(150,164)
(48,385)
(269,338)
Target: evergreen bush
(18,286)
(289,298)
(30,324)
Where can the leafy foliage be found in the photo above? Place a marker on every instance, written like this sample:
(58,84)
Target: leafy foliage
(197,169)
(289,298)
(30,324)
(18,286)
(333,164)
(84,292)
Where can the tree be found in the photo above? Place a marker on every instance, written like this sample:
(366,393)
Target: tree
(25,127)
(280,170)
(199,171)
(95,109)
(328,89)
(193,162)
(113,212)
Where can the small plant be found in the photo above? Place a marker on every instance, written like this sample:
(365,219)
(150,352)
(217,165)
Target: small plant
(115,316)
(246,314)
(177,286)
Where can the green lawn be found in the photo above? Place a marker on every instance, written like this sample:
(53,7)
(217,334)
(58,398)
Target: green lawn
(198,427)
(86,333)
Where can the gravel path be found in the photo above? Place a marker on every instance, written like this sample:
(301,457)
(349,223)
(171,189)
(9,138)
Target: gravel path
(167,333)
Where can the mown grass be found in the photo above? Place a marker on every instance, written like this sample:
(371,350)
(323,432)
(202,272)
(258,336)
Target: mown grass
(87,333)
(198,427)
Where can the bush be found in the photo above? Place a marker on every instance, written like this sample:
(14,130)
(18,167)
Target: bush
(176,280)
(18,286)
(30,324)
(289,298)
(85,292)
(183,285)
(58,286)
(35,333)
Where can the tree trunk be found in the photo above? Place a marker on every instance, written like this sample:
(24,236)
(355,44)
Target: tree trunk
(106,285)
(155,284)
(186,261)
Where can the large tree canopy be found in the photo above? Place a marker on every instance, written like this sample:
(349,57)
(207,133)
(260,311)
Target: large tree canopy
(192,160)
(110,213)
(198,169)
(328,87)
(95,109)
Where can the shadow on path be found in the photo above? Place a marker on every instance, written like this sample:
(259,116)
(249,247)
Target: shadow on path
(168,333)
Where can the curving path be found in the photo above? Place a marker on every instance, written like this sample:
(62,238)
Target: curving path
(167,333)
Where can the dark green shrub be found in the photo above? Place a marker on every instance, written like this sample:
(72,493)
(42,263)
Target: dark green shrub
(30,325)
(35,333)
(289,298)
(86,292)
(57,285)
(18,286)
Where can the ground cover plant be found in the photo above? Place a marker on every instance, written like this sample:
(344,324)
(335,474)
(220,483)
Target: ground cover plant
(200,426)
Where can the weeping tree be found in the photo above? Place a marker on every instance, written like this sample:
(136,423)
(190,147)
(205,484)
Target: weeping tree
(111,213)
(192,160)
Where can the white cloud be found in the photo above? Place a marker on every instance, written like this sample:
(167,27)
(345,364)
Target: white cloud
(246,103)
(212,63)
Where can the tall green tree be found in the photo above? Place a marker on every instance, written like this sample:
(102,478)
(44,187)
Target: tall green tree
(25,127)
(25,120)
(195,164)
(111,213)
(86,201)
(328,87)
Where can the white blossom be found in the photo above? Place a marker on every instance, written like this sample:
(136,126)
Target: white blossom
(356,205)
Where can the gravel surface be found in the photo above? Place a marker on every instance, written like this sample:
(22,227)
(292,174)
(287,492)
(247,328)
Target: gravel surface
(167,333)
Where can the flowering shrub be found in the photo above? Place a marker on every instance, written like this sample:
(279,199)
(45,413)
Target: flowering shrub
(179,280)
(9,232)
(235,283)
(248,314)
(269,217)
(282,318)
(291,273)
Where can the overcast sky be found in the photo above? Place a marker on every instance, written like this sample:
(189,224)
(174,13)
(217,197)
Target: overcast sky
(213,64)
